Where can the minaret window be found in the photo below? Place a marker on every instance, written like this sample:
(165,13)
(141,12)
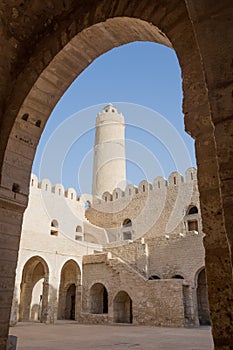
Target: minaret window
(54,228)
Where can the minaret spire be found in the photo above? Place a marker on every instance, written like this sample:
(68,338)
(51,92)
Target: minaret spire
(109,168)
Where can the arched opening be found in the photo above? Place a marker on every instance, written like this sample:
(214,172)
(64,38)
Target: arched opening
(179,28)
(192,210)
(79,229)
(69,294)
(127,229)
(127,223)
(179,277)
(192,219)
(122,308)
(98,303)
(34,291)
(202,299)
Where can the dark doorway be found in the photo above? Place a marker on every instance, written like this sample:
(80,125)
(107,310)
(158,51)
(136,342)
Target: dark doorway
(70,302)
(98,299)
(123,308)
(202,300)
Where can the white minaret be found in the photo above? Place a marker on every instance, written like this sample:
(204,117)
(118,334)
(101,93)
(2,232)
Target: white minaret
(109,167)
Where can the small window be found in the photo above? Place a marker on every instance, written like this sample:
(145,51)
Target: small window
(191,176)
(193,210)
(174,179)
(59,191)
(158,184)
(127,235)
(79,229)
(32,182)
(193,225)
(54,233)
(72,196)
(38,123)
(78,237)
(54,228)
(54,223)
(130,191)
(15,188)
(143,188)
(46,187)
(127,223)
(116,195)
(105,198)
(25,116)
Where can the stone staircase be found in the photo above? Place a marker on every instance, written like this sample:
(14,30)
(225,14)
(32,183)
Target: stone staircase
(121,267)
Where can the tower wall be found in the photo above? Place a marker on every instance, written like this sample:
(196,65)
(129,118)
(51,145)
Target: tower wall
(109,168)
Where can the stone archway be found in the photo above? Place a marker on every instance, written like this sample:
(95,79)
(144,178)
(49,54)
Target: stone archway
(37,67)
(122,308)
(69,291)
(98,300)
(34,291)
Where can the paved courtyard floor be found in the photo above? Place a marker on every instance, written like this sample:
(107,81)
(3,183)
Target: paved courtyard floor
(69,336)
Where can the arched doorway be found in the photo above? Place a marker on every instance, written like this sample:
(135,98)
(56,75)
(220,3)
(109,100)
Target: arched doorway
(122,308)
(98,302)
(69,294)
(202,299)
(34,291)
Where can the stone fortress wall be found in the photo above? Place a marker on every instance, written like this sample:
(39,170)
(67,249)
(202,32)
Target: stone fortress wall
(71,252)
(118,258)
(165,244)
(54,233)
(154,210)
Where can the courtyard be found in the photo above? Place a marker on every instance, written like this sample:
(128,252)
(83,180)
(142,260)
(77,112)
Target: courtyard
(70,335)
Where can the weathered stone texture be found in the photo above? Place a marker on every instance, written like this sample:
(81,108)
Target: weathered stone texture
(34,39)
(150,299)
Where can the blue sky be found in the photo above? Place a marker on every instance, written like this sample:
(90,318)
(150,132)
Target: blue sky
(143,80)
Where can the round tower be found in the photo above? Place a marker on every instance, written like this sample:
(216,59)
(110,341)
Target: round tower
(109,167)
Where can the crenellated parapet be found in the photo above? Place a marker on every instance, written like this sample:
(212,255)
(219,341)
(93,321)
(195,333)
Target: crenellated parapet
(158,208)
(58,190)
(175,180)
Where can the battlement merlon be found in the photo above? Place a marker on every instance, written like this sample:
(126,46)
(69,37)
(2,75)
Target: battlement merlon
(175,179)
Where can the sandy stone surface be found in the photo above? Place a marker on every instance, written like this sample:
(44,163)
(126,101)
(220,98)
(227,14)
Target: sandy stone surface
(67,335)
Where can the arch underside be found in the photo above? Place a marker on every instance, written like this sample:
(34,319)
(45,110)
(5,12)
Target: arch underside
(45,53)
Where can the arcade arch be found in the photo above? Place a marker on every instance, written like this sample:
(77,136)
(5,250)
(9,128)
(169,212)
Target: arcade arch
(98,299)
(122,308)
(69,291)
(34,290)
